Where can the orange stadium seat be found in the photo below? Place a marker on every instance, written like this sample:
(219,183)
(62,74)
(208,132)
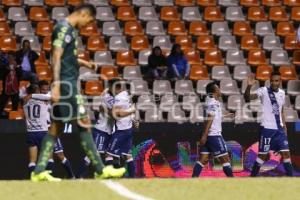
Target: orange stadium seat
(54,3)
(84,55)
(139,43)
(37,14)
(41,61)
(291,3)
(8,43)
(133,28)
(271,3)
(199,72)
(198,28)
(278,14)
(93,88)
(2,16)
(176,28)
(205,42)
(193,56)
(90,30)
(16,115)
(126,13)
(184,41)
(296,57)
(249,42)
(242,28)
(288,73)
(263,72)
(290,43)
(44,28)
(47,43)
(295,16)
(96,43)
(12,2)
(169,14)
(184,3)
(257,57)
(257,14)
(4,29)
(109,72)
(285,29)
(75,2)
(249,3)
(213,57)
(44,73)
(205,3)
(120,3)
(125,58)
(213,14)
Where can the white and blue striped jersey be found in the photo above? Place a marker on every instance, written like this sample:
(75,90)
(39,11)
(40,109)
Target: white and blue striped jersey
(213,107)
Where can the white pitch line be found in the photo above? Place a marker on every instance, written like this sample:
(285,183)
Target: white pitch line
(123,191)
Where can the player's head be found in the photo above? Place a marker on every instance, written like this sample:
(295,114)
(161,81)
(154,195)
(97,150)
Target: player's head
(275,81)
(213,90)
(44,87)
(26,45)
(85,14)
(32,88)
(116,85)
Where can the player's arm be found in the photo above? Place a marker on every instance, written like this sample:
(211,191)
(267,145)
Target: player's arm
(283,120)
(207,124)
(250,82)
(87,64)
(117,111)
(43,97)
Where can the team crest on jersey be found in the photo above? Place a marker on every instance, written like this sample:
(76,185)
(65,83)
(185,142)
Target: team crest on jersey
(68,39)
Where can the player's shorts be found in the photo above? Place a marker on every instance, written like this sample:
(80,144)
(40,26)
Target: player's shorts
(58,148)
(121,143)
(102,140)
(272,139)
(70,106)
(35,138)
(215,145)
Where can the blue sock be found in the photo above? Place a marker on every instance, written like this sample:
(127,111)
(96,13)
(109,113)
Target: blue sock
(83,167)
(227,169)
(67,166)
(256,167)
(50,165)
(197,169)
(288,167)
(31,167)
(131,168)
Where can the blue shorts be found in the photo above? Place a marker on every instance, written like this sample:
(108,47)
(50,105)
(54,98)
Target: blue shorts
(215,145)
(272,139)
(58,148)
(121,143)
(36,138)
(102,140)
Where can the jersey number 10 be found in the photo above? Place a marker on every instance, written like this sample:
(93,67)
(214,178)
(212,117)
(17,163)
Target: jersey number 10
(34,111)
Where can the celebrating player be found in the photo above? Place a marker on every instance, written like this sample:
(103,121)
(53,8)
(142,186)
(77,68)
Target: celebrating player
(211,140)
(273,131)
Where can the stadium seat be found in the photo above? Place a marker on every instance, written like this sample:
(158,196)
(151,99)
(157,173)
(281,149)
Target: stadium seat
(96,43)
(139,87)
(234,14)
(191,14)
(147,14)
(271,3)
(184,87)
(103,58)
(213,57)
(293,87)
(126,13)
(161,3)
(201,85)
(263,72)
(44,73)
(125,58)
(153,115)
(278,14)
(11,3)
(37,14)
(220,72)
(235,102)
(154,28)
(297,103)
(41,61)
(241,72)
(290,43)
(213,14)
(111,29)
(59,13)
(249,3)
(167,102)
(164,42)
(47,43)
(189,102)
(145,101)
(205,3)
(16,115)
(193,56)
(118,3)
(198,72)
(264,28)
(288,73)
(184,3)
(295,15)
(243,116)
(184,41)
(249,42)
(290,115)
(229,87)
(53,3)
(279,57)
(98,2)
(139,43)
(198,28)
(257,57)
(176,28)
(285,29)
(93,88)
(291,3)
(109,72)
(205,42)
(90,30)
(44,29)
(176,115)
(235,57)
(133,28)
(4,29)
(227,3)
(17,14)
(161,87)
(87,74)
(271,42)
(8,43)
(140,3)
(220,28)
(257,14)
(2,16)
(143,57)
(169,14)
(197,114)
(118,43)
(84,55)
(242,29)
(132,73)
(296,57)
(23,28)
(227,42)
(105,14)
(75,3)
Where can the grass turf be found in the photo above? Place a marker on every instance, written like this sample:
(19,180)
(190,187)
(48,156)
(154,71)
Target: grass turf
(160,189)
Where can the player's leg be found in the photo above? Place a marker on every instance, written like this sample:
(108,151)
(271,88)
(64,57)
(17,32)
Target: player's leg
(203,160)
(33,151)
(130,165)
(50,165)
(283,147)
(126,150)
(219,148)
(287,163)
(225,160)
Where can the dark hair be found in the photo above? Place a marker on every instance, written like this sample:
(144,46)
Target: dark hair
(88,7)
(42,83)
(275,73)
(156,48)
(32,88)
(210,88)
(24,41)
(173,51)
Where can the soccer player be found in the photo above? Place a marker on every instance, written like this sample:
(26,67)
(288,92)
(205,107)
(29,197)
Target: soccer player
(122,111)
(273,130)
(211,140)
(67,103)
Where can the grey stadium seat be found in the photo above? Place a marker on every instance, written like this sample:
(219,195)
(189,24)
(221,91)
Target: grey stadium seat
(161,87)
(220,72)
(220,28)
(34,2)
(235,57)
(197,114)
(98,2)
(132,73)
(34,42)
(23,29)
(118,43)
(293,87)
(176,114)
(227,42)
(241,72)
(163,2)
(103,58)
(227,3)
(139,87)
(111,29)
(105,14)
(297,103)
(191,14)
(255,105)
(190,101)
(164,42)
(17,14)
(145,102)
(59,13)
(271,42)
(290,115)
(287,102)
(264,28)
(280,57)
(153,115)
(80,45)
(201,86)
(235,102)
(140,3)
(167,101)
(154,28)
(147,14)
(244,115)
(143,57)
(229,87)
(183,87)
(88,74)
(253,88)
(234,14)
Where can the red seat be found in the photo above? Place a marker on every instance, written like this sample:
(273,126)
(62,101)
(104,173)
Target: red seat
(263,72)
(169,14)
(278,14)
(44,73)
(38,14)
(296,57)
(295,16)
(184,3)
(198,28)
(109,72)
(8,43)
(133,28)
(90,30)
(192,56)
(75,2)
(41,61)
(118,3)
(176,28)
(291,3)
(249,3)
(16,115)
(257,14)
(288,73)
(54,3)
(139,43)
(96,43)
(257,57)
(285,29)
(213,57)
(125,58)
(4,29)
(12,3)
(205,3)
(84,55)
(242,28)
(271,3)
(213,14)
(198,72)
(205,42)
(184,41)
(93,88)
(47,43)
(290,43)
(249,42)
(44,28)
(2,16)
(126,13)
